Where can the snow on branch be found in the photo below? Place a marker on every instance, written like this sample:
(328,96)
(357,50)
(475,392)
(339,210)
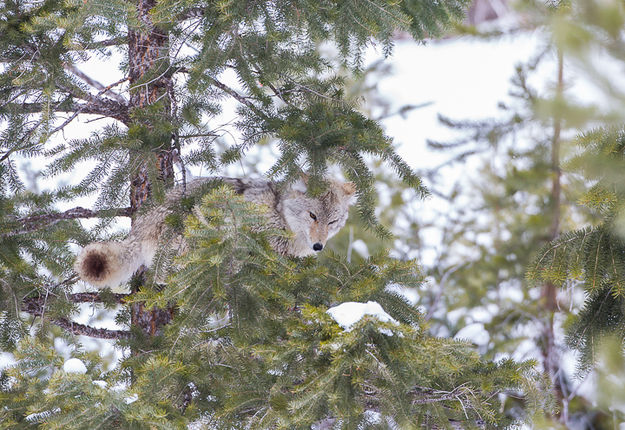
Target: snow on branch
(349,313)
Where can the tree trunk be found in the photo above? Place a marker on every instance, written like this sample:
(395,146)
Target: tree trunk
(150,82)
(551,356)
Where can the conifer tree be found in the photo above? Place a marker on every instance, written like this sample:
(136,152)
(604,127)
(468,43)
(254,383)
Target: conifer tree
(498,220)
(593,254)
(237,336)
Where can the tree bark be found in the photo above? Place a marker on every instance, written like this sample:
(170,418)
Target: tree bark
(148,61)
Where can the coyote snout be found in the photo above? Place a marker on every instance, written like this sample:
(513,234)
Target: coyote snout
(315,220)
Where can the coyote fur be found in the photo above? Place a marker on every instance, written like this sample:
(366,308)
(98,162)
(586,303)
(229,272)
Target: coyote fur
(311,222)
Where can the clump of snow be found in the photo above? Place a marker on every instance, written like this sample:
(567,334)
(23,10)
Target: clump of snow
(453,316)
(370,418)
(483,314)
(74,365)
(206,421)
(101,384)
(119,387)
(194,391)
(6,360)
(349,313)
(217,321)
(131,399)
(42,416)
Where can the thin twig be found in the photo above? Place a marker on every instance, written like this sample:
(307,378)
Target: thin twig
(88,79)
(242,99)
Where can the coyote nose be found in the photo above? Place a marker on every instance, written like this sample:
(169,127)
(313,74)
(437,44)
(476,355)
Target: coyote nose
(317,246)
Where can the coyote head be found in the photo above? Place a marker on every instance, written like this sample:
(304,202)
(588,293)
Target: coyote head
(314,220)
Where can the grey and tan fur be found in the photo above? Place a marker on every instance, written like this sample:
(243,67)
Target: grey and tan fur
(311,222)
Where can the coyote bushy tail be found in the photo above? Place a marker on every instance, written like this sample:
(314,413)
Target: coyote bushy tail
(108,264)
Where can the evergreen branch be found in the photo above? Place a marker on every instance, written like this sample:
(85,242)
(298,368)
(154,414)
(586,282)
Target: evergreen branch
(564,240)
(96,297)
(37,222)
(23,146)
(118,110)
(242,99)
(444,397)
(594,315)
(35,307)
(85,330)
(390,14)
(191,136)
(105,109)
(309,90)
(194,12)
(93,297)
(116,41)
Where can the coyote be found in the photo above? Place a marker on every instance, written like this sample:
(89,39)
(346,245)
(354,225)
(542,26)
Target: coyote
(311,222)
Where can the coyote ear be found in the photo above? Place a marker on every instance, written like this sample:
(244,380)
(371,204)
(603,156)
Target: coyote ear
(349,188)
(300,185)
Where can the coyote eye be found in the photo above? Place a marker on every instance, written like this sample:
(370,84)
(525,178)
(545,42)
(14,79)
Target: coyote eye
(332,222)
(313,216)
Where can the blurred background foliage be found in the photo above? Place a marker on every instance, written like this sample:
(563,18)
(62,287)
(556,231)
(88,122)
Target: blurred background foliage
(544,178)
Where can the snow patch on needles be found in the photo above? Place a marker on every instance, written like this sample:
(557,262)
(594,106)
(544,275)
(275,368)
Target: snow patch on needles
(131,399)
(349,313)
(6,360)
(74,365)
(42,416)
(101,384)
